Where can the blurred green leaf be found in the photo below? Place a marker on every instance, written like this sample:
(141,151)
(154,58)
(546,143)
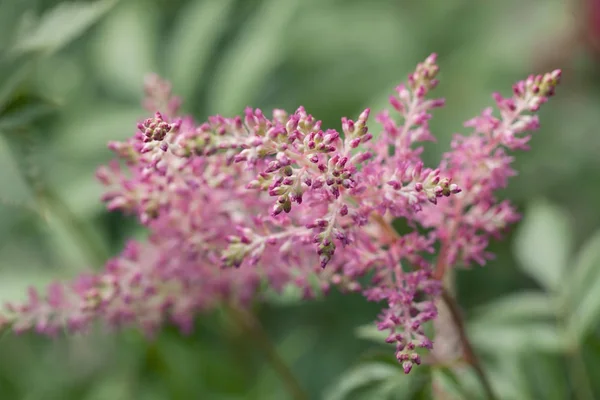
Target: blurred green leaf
(371,333)
(396,387)
(23,265)
(361,376)
(291,295)
(93,125)
(543,243)
(115,386)
(583,273)
(82,195)
(509,48)
(295,345)
(507,377)
(25,110)
(521,306)
(350,43)
(124,49)
(517,337)
(14,285)
(74,242)
(450,383)
(64,78)
(584,289)
(12,14)
(61,25)
(12,76)
(15,188)
(545,376)
(246,65)
(382,29)
(196,31)
(401,387)
(177,374)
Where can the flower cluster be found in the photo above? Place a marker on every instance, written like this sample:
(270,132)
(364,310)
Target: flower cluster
(233,204)
(481,165)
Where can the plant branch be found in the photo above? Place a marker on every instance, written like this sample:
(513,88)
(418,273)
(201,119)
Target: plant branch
(469,352)
(248,323)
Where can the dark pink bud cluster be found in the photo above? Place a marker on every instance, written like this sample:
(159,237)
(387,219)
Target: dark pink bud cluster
(285,201)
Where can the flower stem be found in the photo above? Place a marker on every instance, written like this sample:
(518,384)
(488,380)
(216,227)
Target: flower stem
(248,323)
(469,352)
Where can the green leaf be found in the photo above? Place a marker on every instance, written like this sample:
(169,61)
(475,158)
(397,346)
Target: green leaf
(26,110)
(545,375)
(124,49)
(82,195)
(72,239)
(14,282)
(23,264)
(452,383)
(115,386)
(586,267)
(196,31)
(403,386)
(517,337)
(246,65)
(522,306)
(294,346)
(61,25)
(543,244)
(12,16)
(362,376)
(92,124)
(380,30)
(17,73)
(375,38)
(371,333)
(507,377)
(15,188)
(583,289)
(291,295)
(510,50)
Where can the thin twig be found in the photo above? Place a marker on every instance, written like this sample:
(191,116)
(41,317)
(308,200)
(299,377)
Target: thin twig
(469,352)
(252,326)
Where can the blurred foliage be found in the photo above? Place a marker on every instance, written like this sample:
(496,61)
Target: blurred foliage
(71,78)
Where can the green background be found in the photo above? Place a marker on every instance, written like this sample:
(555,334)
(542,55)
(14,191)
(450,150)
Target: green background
(71,78)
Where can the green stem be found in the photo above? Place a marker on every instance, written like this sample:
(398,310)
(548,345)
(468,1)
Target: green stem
(248,323)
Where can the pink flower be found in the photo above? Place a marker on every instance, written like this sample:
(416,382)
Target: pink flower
(234,203)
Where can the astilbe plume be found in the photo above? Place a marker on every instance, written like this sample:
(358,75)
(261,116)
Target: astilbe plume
(234,203)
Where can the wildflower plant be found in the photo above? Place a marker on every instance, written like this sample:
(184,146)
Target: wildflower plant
(234,204)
